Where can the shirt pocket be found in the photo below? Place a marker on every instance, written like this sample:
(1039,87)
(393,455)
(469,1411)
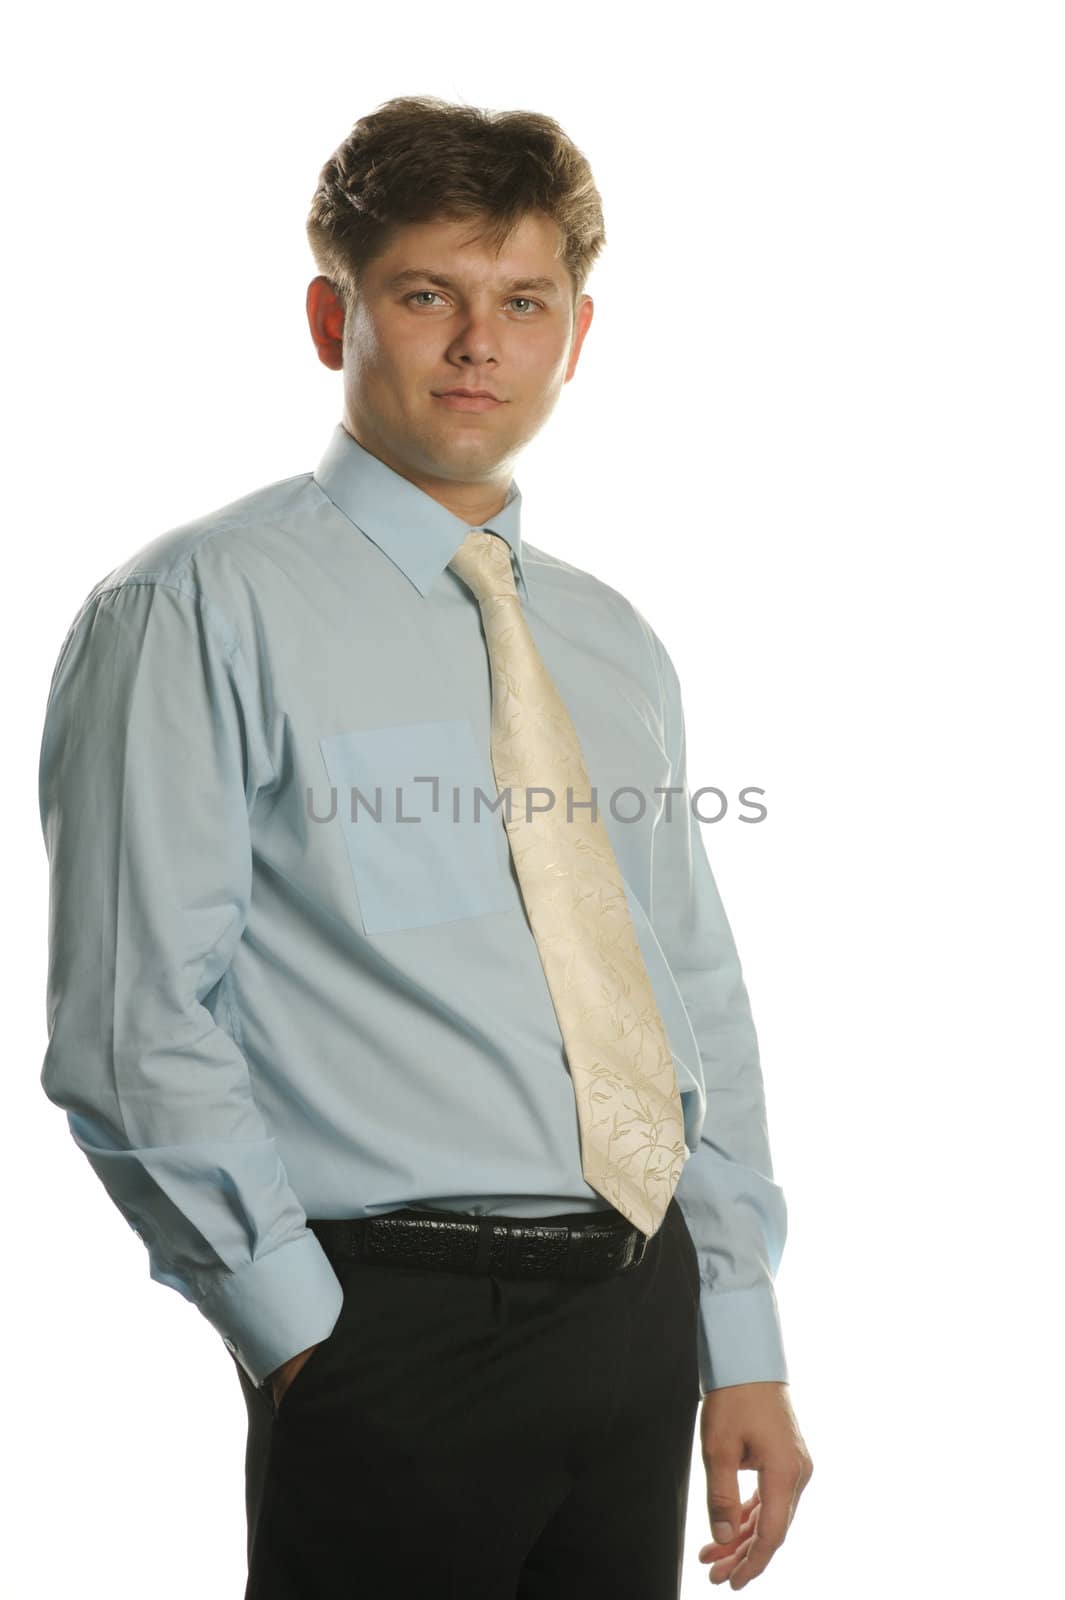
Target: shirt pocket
(418,865)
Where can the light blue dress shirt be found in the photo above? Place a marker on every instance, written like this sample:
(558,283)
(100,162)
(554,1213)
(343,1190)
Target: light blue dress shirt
(282,985)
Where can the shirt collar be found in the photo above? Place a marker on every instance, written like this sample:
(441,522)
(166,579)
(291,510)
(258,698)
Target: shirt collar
(416,532)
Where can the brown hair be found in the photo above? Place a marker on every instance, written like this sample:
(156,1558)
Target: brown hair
(416,158)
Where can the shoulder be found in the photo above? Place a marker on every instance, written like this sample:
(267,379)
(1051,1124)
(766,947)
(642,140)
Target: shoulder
(189,555)
(594,596)
(207,566)
(600,600)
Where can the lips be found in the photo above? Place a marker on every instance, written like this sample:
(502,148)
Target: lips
(453,401)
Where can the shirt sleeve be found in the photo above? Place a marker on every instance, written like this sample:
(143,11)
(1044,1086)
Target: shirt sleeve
(150,762)
(735,1212)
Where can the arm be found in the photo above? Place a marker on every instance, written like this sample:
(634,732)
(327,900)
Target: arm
(150,762)
(735,1213)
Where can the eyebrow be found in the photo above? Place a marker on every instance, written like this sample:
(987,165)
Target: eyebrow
(423,275)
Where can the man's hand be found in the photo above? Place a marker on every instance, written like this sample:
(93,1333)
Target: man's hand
(283,1375)
(750,1425)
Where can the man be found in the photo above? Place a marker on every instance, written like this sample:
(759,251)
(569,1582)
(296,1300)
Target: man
(449,1119)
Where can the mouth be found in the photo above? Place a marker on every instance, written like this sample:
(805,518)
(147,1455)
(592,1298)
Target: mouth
(456,401)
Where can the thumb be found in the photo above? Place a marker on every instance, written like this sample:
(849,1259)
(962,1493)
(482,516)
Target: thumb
(723,1497)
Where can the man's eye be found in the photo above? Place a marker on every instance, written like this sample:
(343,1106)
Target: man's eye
(514,298)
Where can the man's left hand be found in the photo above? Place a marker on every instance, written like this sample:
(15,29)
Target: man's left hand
(745,1426)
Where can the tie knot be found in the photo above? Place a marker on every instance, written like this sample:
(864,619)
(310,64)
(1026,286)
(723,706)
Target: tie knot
(482,561)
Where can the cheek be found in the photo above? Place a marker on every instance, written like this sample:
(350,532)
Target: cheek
(400,361)
(548,358)
(363,351)
(389,348)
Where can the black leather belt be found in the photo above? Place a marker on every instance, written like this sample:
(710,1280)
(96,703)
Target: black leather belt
(530,1248)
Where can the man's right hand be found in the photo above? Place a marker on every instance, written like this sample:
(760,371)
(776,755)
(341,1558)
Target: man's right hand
(283,1375)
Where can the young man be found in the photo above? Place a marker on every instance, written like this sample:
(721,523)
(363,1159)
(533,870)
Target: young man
(421,1065)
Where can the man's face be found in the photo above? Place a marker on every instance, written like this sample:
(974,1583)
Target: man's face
(410,339)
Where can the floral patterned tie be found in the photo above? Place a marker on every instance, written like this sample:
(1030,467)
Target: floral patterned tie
(628,1104)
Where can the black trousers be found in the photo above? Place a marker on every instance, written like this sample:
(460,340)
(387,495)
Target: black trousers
(484,1437)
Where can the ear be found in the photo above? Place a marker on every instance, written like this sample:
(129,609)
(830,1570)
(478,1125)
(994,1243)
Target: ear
(325,314)
(581,323)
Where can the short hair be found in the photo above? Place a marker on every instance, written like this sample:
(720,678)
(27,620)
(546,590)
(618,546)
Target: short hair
(417,158)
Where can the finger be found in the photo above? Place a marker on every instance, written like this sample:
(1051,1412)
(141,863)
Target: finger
(723,1497)
(778,1490)
(749,1506)
(748,1522)
(748,1509)
(725,1568)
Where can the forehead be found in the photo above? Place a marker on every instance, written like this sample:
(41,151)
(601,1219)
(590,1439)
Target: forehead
(445,247)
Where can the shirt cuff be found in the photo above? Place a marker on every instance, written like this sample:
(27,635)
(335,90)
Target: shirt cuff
(276,1306)
(739,1338)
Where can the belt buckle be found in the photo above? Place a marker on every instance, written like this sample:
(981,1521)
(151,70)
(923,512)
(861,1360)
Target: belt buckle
(639,1249)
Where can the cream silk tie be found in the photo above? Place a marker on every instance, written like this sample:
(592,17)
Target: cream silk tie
(628,1104)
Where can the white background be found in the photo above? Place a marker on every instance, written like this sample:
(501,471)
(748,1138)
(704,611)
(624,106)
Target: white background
(816,436)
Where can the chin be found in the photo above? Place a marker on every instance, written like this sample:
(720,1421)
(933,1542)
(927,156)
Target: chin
(463,445)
